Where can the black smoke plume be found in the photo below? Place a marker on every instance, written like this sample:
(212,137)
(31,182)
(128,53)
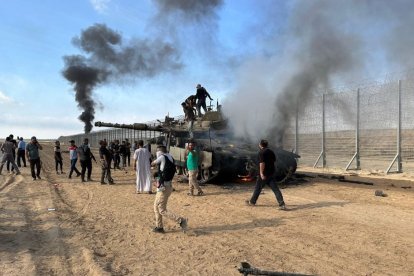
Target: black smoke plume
(192,9)
(109,60)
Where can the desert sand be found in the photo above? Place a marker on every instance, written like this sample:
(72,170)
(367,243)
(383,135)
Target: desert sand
(60,226)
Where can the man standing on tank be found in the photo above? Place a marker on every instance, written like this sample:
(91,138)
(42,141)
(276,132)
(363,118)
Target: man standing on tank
(201,96)
(267,169)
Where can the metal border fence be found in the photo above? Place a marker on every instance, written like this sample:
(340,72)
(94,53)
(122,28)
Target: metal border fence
(369,128)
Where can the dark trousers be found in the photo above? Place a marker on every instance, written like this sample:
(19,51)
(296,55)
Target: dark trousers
(58,163)
(21,155)
(117,160)
(73,167)
(201,104)
(128,158)
(86,164)
(33,163)
(270,181)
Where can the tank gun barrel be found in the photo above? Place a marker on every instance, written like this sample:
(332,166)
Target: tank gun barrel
(136,126)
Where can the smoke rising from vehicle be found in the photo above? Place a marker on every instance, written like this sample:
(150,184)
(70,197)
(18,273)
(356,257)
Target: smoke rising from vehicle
(110,60)
(325,42)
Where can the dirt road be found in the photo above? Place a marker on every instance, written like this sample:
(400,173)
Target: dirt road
(59,226)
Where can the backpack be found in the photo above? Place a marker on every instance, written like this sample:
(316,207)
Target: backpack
(169,170)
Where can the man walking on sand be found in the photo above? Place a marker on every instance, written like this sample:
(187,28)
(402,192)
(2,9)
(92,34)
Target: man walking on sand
(142,166)
(8,148)
(73,156)
(267,159)
(166,171)
(85,156)
(32,154)
(192,167)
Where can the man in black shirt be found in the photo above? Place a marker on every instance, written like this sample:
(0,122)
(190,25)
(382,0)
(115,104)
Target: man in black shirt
(85,156)
(201,96)
(267,159)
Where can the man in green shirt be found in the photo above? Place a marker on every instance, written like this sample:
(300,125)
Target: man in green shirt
(192,167)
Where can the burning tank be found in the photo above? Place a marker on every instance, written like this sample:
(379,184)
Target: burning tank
(220,153)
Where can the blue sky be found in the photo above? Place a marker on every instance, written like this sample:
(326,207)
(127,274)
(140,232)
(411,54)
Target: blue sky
(249,54)
(35,99)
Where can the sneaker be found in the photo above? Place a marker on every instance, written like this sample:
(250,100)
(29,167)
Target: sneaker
(103,183)
(200,193)
(83,180)
(69,176)
(34,178)
(183,224)
(190,193)
(57,172)
(282,207)
(89,179)
(18,173)
(158,230)
(249,203)
(78,174)
(38,177)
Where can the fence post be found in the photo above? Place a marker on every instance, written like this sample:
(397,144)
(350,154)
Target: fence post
(397,157)
(356,156)
(323,153)
(297,129)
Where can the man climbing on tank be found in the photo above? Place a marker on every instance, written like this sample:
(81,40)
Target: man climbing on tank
(201,96)
(189,113)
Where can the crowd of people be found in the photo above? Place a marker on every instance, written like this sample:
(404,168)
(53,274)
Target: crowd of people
(120,153)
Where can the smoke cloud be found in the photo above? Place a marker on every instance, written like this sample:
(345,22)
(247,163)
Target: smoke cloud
(194,10)
(109,59)
(325,42)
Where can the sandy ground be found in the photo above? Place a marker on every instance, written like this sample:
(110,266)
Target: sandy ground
(59,226)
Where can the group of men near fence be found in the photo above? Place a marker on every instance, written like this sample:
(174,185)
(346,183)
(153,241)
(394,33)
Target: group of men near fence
(142,161)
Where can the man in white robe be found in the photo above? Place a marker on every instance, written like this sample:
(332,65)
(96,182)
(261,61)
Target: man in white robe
(143,168)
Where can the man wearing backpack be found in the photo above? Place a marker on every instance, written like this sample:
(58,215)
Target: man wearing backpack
(166,171)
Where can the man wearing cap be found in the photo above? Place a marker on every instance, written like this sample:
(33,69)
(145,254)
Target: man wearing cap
(8,148)
(201,96)
(32,154)
(73,155)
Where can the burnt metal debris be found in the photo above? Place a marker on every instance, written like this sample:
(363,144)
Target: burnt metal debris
(220,153)
(247,269)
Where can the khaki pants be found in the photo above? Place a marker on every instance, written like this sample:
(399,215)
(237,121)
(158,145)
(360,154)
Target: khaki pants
(192,181)
(160,206)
